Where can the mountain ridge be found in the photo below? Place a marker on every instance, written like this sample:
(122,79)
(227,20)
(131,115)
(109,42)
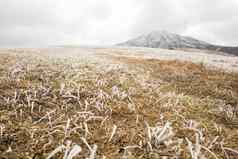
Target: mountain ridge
(166,40)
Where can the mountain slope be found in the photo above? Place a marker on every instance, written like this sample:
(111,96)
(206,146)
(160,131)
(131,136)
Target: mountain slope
(166,40)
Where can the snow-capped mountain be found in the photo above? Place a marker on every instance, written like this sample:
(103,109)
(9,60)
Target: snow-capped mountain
(166,40)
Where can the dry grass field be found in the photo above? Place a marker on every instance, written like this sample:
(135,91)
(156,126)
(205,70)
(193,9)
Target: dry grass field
(111,106)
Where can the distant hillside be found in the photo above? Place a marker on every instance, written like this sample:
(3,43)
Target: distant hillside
(166,40)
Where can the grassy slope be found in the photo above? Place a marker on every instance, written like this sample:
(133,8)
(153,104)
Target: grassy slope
(44,103)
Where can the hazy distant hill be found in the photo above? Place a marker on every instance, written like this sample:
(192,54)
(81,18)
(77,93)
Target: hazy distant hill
(166,40)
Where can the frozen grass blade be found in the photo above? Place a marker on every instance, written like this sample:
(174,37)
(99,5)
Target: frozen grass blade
(159,135)
(93,152)
(208,150)
(67,128)
(57,150)
(113,132)
(231,150)
(2,127)
(75,150)
(86,143)
(67,149)
(194,149)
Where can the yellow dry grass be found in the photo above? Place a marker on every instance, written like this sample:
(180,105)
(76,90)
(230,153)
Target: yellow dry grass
(44,103)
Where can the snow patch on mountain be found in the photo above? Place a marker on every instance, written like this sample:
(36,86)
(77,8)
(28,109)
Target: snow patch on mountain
(166,40)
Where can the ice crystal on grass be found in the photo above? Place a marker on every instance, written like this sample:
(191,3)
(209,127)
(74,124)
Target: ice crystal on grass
(159,135)
(69,151)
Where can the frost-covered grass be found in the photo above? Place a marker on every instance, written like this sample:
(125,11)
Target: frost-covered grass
(210,59)
(102,106)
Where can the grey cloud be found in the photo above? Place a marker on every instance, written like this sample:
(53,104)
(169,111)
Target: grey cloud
(14,13)
(213,21)
(43,22)
(100,11)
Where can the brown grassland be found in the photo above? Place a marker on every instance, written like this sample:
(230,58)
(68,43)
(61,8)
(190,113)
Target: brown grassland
(130,108)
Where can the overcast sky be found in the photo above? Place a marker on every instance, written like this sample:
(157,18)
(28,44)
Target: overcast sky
(105,22)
